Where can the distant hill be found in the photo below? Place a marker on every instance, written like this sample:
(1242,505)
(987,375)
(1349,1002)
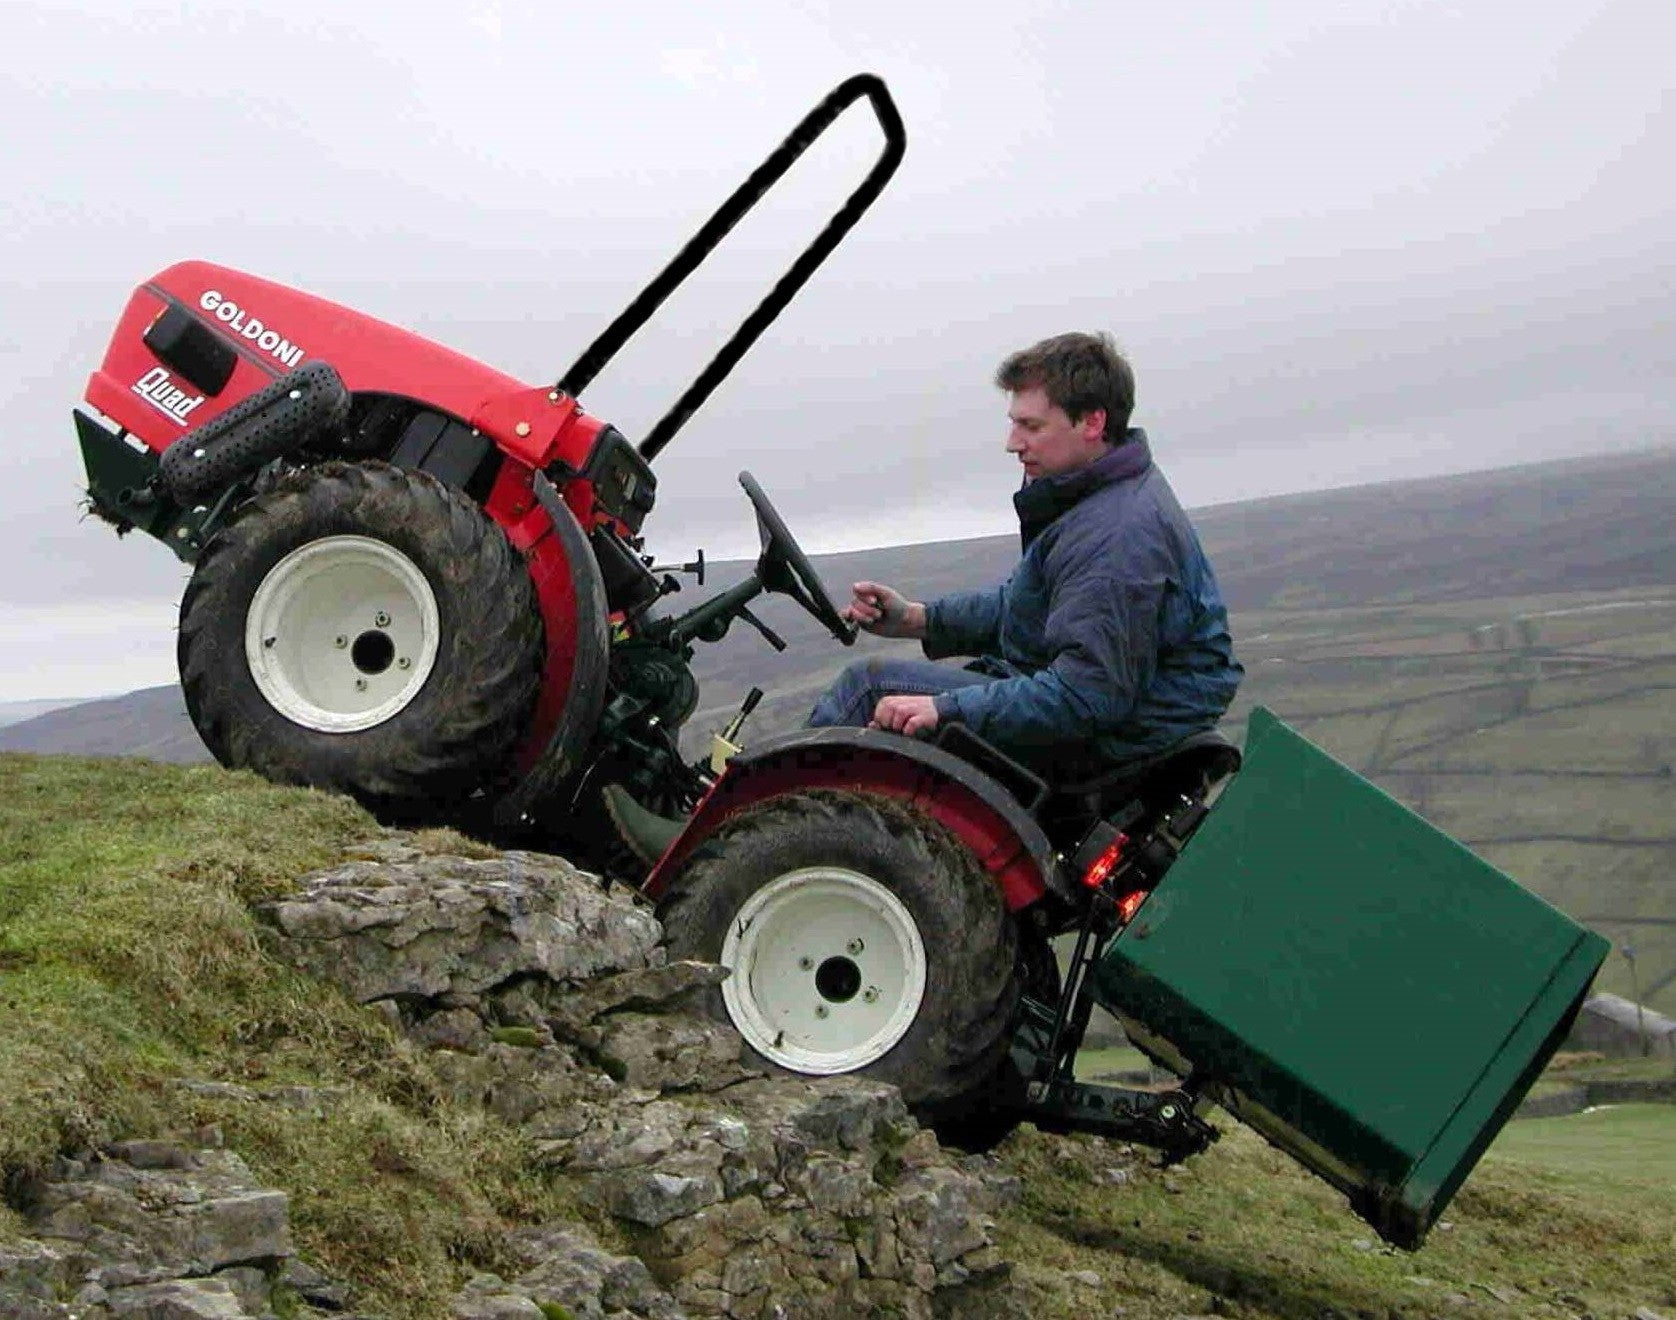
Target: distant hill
(151,722)
(15,712)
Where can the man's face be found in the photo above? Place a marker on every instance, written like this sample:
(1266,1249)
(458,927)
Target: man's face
(1047,441)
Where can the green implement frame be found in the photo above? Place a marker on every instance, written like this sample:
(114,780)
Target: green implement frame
(1348,980)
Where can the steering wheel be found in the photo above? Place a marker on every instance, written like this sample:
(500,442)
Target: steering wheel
(783,566)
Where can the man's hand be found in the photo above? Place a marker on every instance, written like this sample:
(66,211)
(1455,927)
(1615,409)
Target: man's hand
(884,611)
(908,715)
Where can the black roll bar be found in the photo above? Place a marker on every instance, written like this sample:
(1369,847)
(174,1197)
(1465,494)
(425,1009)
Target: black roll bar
(746,196)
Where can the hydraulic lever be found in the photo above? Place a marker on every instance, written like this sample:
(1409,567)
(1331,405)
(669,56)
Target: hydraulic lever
(696,568)
(774,638)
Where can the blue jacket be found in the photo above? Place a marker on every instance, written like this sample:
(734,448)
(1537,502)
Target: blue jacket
(1110,639)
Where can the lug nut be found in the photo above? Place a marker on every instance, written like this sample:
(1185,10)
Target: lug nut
(805,963)
(871,994)
(269,641)
(404,663)
(855,947)
(360,685)
(821,1010)
(381,619)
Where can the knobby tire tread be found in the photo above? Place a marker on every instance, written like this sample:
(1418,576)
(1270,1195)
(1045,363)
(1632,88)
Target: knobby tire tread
(457,733)
(973,978)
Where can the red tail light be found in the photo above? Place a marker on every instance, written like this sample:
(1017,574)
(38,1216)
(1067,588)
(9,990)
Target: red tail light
(1102,866)
(1130,904)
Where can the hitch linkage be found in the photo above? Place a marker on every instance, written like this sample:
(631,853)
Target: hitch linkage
(1048,1037)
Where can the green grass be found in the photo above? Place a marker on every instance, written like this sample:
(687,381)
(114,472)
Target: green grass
(129,960)
(1241,1231)
(1633,1146)
(1095,1064)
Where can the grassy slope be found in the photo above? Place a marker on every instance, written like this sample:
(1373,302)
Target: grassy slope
(1561,1224)
(128,959)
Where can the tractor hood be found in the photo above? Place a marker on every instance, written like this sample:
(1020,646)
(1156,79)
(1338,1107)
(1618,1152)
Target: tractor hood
(198,337)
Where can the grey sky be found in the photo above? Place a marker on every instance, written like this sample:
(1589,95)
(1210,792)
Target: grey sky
(1342,243)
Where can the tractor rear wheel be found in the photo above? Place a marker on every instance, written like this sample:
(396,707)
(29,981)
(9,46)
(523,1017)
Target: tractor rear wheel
(862,937)
(981,1120)
(365,629)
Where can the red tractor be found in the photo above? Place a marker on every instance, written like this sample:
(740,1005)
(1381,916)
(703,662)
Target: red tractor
(415,579)
(422,582)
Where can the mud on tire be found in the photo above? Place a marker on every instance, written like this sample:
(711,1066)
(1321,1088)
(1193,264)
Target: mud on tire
(365,629)
(842,894)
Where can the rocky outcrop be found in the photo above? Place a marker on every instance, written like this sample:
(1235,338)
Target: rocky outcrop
(547,1000)
(147,1229)
(448,932)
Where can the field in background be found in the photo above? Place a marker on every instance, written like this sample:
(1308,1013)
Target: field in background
(1539,730)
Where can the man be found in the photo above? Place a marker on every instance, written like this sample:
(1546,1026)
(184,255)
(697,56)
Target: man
(1108,642)
(1110,639)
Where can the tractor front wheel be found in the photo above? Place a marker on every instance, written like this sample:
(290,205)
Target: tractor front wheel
(365,629)
(862,937)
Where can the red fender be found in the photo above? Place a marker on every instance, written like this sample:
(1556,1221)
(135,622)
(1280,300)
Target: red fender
(1003,837)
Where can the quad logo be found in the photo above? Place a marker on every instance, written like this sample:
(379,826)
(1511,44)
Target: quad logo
(170,400)
(236,320)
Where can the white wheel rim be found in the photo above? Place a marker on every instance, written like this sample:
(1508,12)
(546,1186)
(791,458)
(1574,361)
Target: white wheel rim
(828,970)
(342,634)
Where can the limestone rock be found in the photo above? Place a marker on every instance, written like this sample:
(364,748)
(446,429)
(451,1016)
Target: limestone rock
(32,1274)
(569,1268)
(178,1299)
(679,1053)
(854,1228)
(452,927)
(200,1212)
(540,1088)
(672,988)
(488,1297)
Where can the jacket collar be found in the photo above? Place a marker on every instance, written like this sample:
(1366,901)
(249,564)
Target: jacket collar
(1040,501)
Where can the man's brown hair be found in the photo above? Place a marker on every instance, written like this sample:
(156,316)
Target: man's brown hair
(1078,373)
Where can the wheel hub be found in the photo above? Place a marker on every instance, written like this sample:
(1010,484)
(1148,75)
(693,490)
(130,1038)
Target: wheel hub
(342,634)
(828,970)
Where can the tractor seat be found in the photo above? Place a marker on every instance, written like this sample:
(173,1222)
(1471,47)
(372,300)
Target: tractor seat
(1191,765)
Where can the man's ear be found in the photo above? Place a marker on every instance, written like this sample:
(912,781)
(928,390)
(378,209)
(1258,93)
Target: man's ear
(1092,424)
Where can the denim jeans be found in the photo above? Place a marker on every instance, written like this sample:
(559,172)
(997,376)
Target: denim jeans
(851,699)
